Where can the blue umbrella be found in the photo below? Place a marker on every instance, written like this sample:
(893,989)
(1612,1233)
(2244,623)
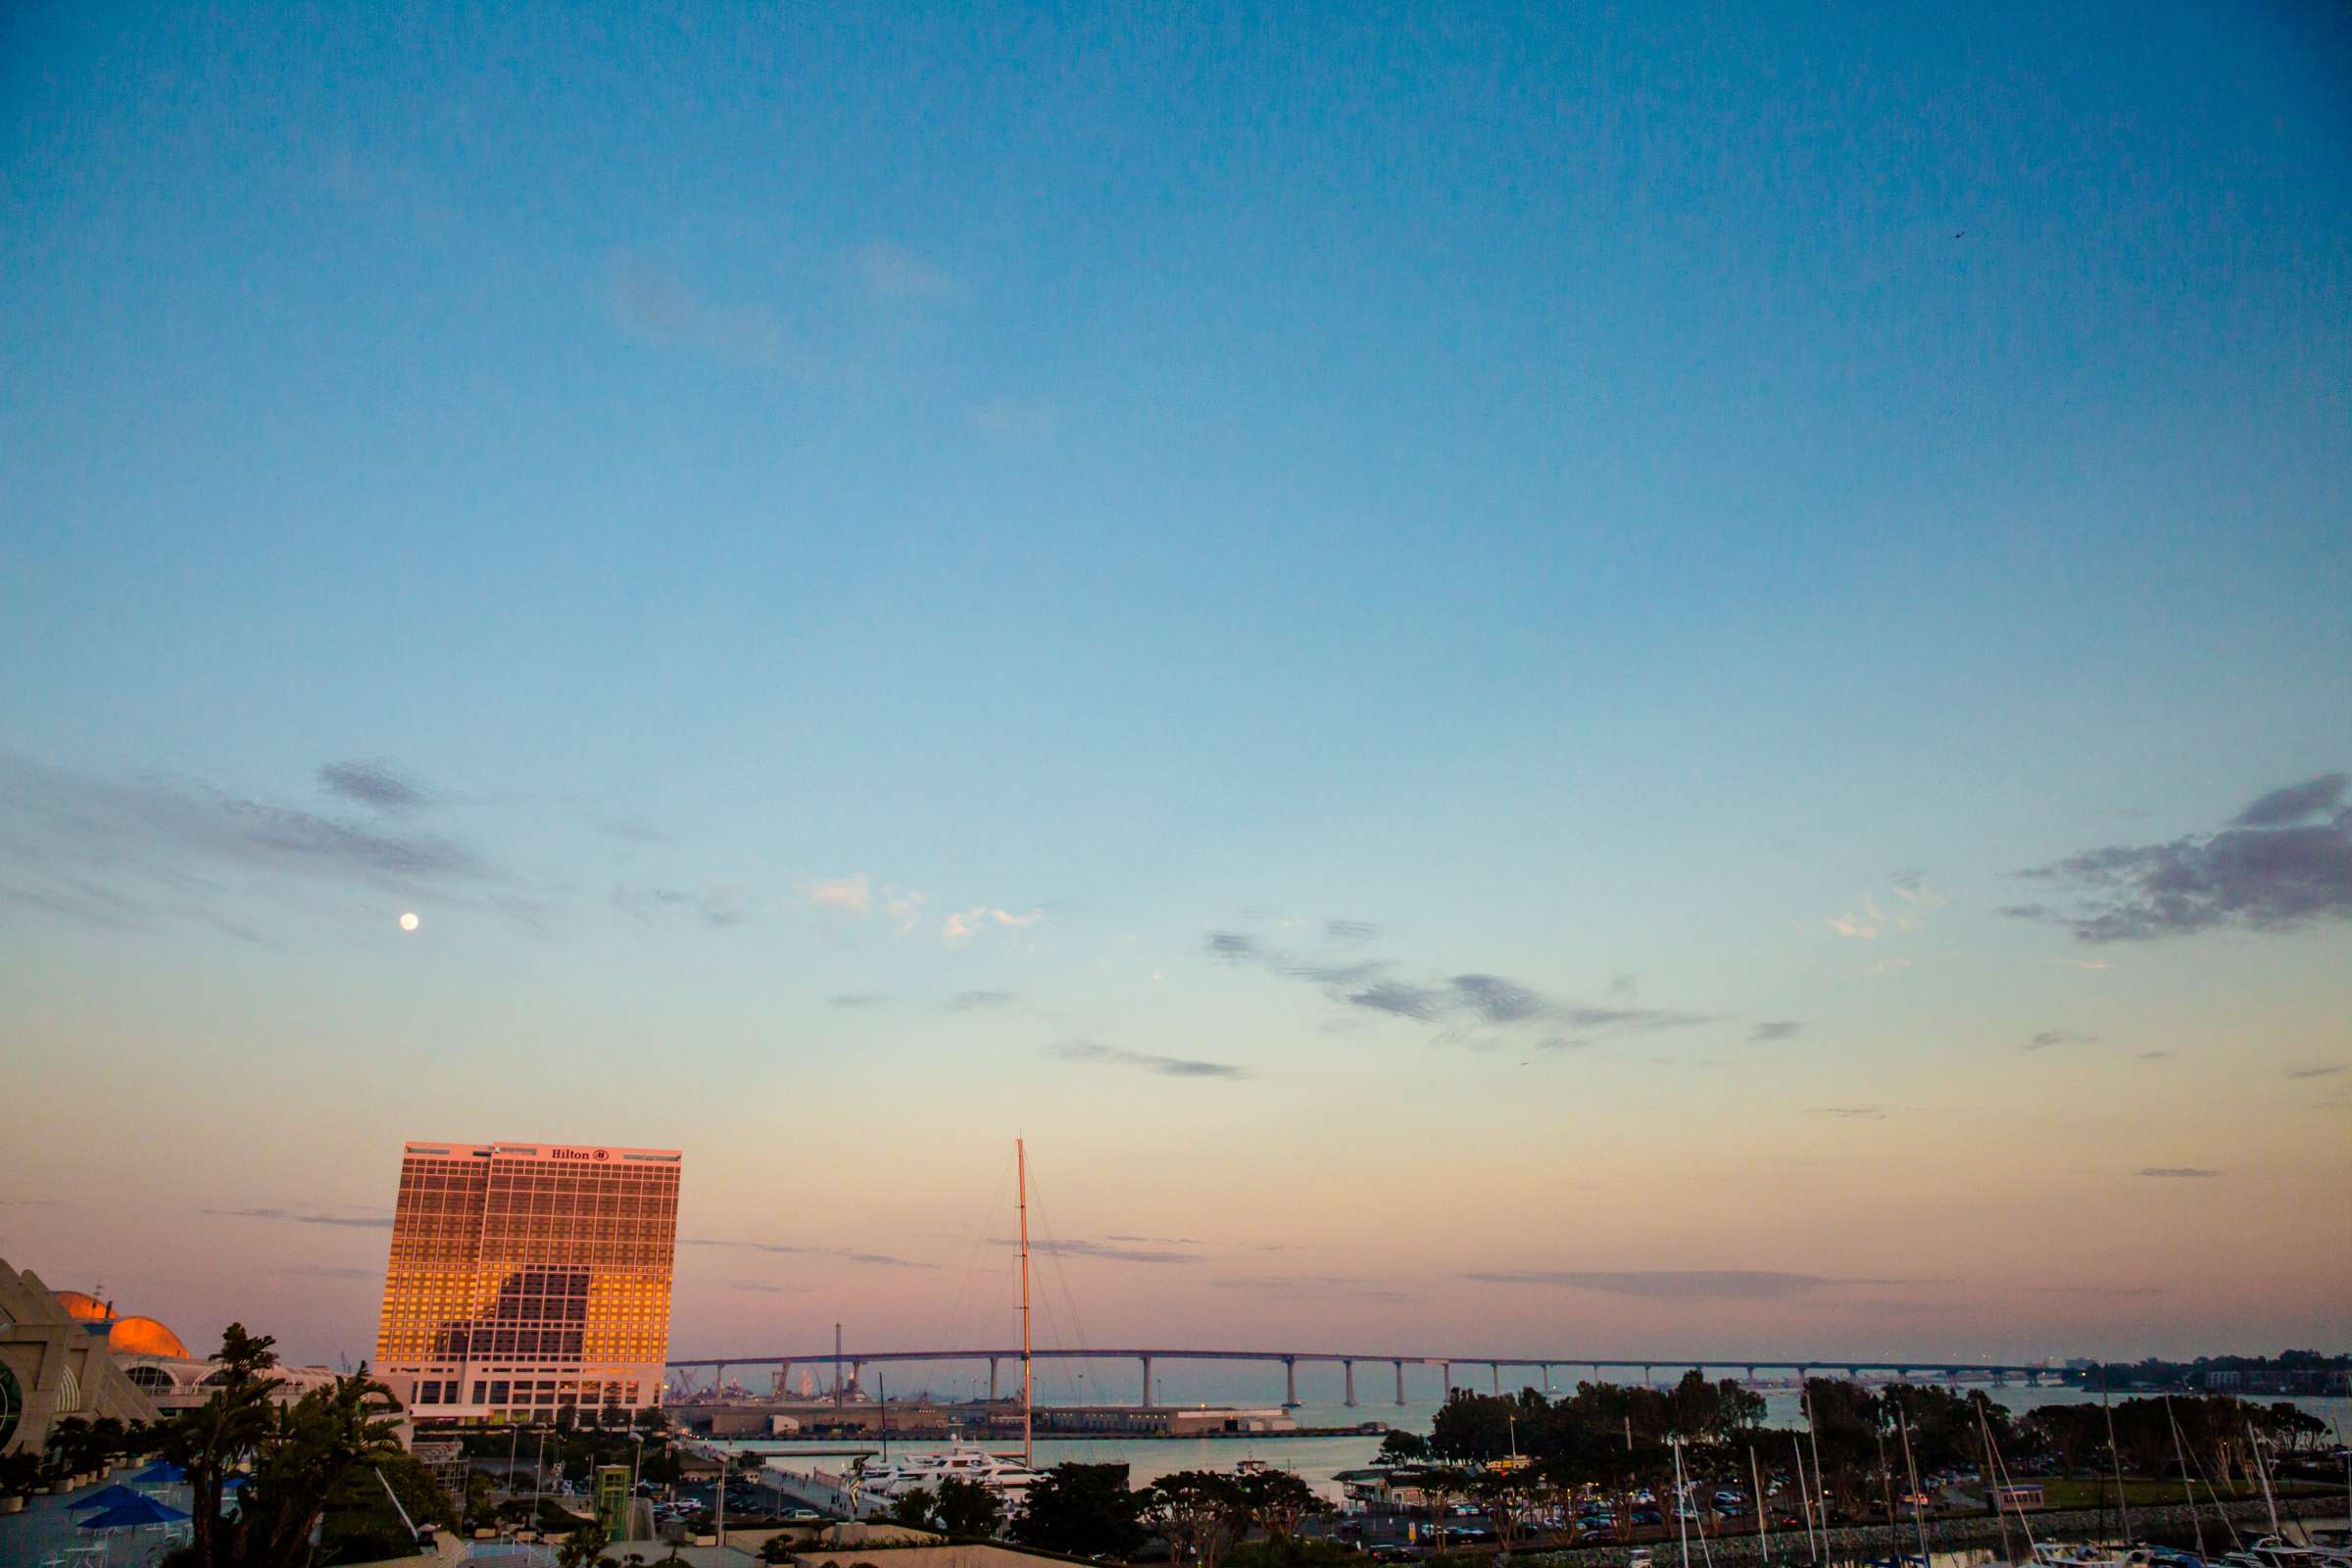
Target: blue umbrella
(112,1493)
(161,1473)
(131,1515)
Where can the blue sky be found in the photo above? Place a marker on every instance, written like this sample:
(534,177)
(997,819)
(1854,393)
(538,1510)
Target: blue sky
(1626,503)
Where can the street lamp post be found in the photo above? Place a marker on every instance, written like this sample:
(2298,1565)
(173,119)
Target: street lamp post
(636,1465)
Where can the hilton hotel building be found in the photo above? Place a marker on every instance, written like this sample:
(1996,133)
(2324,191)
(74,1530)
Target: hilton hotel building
(526,1277)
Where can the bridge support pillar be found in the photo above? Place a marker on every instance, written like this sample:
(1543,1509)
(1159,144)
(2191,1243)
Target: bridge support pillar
(1290,1383)
(1147,1405)
(1647,1379)
(1546,1370)
(783,1379)
(1401,1383)
(992,1380)
(1350,1368)
(1751,1375)
(857,1376)
(718,1380)
(1446,1377)
(1495,1371)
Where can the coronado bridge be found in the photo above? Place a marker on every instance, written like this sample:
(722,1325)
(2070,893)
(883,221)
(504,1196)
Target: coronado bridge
(1749,1366)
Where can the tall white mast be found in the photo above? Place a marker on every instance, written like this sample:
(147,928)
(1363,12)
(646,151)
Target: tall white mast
(1020,1157)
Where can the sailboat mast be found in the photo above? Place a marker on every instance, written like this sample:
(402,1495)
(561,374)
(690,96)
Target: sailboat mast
(2123,1504)
(1020,1157)
(1911,1473)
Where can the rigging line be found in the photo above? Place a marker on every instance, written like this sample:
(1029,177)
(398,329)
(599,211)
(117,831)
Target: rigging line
(1060,1273)
(944,1328)
(2022,1523)
(2187,1490)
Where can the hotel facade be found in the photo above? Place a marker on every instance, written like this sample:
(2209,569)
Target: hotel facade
(528,1277)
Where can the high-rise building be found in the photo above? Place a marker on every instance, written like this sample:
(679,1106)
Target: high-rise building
(526,1277)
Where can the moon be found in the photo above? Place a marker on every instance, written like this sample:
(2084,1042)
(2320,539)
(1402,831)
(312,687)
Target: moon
(409,921)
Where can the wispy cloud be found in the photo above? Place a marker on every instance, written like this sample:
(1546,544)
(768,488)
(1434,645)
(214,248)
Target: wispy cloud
(1159,1241)
(290,1216)
(656,305)
(2048,1038)
(2314,1072)
(889,271)
(1690,1285)
(1911,886)
(2180,1173)
(1852,1112)
(1105,1250)
(1314,1287)
(1459,1002)
(2282,862)
(1863,928)
(791,1249)
(632,829)
(964,924)
(971,1001)
(2296,803)
(1349,930)
(718,903)
(856,999)
(1775,1029)
(372,784)
(119,852)
(1087,1051)
(852,894)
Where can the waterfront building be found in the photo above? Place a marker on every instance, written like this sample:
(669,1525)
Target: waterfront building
(56,1361)
(525,1278)
(160,1364)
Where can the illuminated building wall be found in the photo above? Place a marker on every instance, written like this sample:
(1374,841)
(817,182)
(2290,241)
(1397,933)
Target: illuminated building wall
(525,1277)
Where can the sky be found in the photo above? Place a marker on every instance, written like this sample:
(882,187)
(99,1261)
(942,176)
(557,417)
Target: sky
(1532,681)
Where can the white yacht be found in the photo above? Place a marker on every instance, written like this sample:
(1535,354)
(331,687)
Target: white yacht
(964,1461)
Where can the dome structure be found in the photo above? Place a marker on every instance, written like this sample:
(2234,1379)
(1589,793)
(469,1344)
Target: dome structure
(124,1336)
(144,1336)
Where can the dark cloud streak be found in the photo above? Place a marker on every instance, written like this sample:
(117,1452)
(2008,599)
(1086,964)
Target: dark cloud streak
(2273,868)
(372,784)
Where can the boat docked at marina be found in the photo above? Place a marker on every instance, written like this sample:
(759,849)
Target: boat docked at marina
(999,1473)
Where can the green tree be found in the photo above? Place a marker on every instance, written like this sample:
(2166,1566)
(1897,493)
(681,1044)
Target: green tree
(1506,1498)
(1082,1510)
(309,1447)
(1401,1447)
(968,1509)
(913,1508)
(582,1547)
(20,1473)
(67,1447)
(1473,1426)
(1196,1512)
(213,1440)
(1275,1501)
